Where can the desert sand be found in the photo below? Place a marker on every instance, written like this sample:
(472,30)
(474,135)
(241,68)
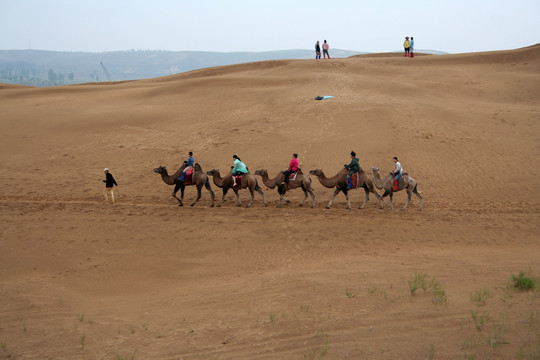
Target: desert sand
(147,279)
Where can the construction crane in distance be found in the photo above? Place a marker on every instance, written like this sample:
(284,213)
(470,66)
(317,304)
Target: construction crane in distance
(105,69)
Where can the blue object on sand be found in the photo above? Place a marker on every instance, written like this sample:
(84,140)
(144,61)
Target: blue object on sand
(323,97)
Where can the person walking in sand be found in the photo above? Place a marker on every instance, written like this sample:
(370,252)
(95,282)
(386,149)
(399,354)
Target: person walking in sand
(325,48)
(411,47)
(398,172)
(109,183)
(317,50)
(406,46)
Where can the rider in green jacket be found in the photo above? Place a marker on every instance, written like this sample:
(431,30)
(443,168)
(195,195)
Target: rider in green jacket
(353,167)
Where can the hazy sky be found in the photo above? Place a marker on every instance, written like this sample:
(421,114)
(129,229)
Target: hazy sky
(453,26)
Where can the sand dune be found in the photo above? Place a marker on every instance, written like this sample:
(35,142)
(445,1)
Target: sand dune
(82,279)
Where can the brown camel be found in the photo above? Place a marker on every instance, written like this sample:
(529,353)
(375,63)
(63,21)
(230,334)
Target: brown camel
(339,181)
(199,179)
(388,185)
(248,181)
(302,181)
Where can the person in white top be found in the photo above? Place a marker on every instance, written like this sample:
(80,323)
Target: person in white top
(398,172)
(325,48)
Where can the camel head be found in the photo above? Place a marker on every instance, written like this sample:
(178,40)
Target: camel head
(160,170)
(374,170)
(212,172)
(261,172)
(316,172)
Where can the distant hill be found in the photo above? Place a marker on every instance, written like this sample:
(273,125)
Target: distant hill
(50,68)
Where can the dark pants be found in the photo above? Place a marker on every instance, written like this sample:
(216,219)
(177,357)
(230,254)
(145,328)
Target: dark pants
(287,174)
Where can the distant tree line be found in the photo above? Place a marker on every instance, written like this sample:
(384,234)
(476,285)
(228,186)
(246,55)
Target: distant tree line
(26,74)
(51,68)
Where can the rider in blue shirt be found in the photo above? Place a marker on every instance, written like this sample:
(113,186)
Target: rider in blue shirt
(189,166)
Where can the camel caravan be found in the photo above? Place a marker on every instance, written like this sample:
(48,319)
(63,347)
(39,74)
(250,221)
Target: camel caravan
(350,177)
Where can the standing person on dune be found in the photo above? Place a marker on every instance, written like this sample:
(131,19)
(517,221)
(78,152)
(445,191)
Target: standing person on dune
(325,48)
(411,47)
(109,183)
(317,50)
(406,46)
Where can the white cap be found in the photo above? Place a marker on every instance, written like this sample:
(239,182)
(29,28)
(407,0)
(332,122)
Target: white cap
(106,169)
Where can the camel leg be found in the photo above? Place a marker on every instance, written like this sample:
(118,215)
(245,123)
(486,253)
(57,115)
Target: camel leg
(259,190)
(409,192)
(176,187)
(252,193)
(381,201)
(335,194)
(391,195)
(348,199)
(223,197)
(313,197)
(386,193)
(366,198)
(305,196)
(282,190)
(182,188)
(209,188)
(199,188)
(237,197)
(419,197)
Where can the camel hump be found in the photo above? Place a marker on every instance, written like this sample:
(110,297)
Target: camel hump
(197,167)
(405,173)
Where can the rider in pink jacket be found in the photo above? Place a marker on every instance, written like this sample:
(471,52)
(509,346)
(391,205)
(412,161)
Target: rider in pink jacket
(293,167)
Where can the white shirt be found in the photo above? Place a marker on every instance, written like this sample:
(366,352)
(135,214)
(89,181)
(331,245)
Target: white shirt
(398,168)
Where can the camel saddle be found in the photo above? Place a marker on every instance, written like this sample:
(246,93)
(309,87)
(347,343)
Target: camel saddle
(354,181)
(188,179)
(238,180)
(292,177)
(401,181)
